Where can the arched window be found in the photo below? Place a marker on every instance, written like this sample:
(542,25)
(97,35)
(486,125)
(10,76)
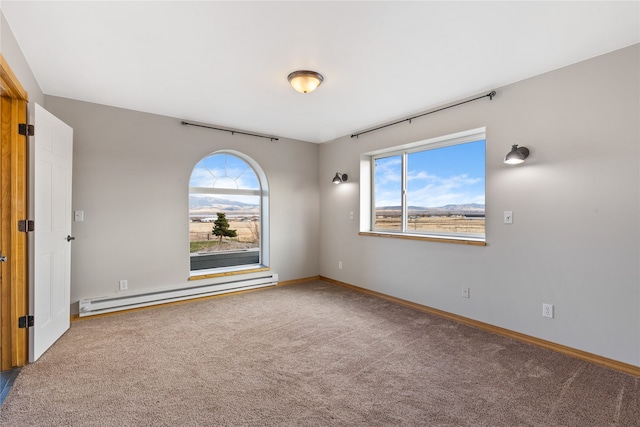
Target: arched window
(228,208)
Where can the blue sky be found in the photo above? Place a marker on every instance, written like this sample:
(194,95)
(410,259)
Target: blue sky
(228,172)
(438,177)
(223,171)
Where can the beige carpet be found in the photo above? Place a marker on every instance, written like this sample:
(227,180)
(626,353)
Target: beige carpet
(312,354)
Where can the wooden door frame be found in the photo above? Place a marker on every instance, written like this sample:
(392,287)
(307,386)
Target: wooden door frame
(14,302)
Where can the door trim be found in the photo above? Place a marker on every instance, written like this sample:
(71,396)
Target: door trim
(14,301)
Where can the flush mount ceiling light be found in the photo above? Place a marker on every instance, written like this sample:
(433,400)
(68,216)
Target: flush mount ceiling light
(339,178)
(305,81)
(516,155)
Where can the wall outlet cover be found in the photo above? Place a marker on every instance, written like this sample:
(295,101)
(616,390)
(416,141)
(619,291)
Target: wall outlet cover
(547,310)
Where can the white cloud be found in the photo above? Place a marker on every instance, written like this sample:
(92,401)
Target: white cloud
(439,191)
(429,190)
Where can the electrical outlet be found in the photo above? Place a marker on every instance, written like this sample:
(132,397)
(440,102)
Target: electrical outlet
(465,292)
(124,285)
(508,217)
(340,265)
(547,310)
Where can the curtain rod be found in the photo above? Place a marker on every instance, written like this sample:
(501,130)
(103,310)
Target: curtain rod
(490,95)
(232,132)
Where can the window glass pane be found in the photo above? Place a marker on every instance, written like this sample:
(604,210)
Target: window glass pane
(388,193)
(242,216)
(224,171)
(446,189)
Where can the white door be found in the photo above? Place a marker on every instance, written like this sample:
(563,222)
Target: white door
(50,171)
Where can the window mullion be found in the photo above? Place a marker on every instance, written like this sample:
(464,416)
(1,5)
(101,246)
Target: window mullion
(404,192)
(372,220)
(235,192)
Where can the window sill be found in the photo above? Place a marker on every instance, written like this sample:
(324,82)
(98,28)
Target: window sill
(458,241)
(221,272)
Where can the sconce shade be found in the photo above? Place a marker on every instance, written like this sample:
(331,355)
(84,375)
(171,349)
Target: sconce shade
(516,155)
(305,81)
(340,177)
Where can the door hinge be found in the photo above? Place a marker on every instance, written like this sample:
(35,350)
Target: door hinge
(25,322)
(26,130)
(26,225)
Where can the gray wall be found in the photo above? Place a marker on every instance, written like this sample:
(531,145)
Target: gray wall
(131,177)
(575,239)
(16,60)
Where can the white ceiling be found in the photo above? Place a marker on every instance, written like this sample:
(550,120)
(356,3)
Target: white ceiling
(226,63)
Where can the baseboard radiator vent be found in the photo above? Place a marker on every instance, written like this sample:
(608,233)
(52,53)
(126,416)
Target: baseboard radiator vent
(93,306)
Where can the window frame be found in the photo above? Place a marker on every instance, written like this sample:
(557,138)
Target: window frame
(263,193)
(368,200)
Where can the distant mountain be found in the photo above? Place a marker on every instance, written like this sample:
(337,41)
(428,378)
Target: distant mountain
(200,202)
(466,208)
(209,206)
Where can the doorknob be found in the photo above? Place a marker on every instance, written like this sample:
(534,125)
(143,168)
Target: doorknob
(69,238)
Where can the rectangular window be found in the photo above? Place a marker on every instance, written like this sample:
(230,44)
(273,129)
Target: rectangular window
(433,188)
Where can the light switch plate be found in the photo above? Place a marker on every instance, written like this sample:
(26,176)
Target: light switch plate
(508,217)
(78,216)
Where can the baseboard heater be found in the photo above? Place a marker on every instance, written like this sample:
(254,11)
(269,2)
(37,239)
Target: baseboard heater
(93,306)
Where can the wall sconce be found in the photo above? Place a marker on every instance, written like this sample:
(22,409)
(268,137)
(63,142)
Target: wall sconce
(339,178)
(516,155)
(305,81)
